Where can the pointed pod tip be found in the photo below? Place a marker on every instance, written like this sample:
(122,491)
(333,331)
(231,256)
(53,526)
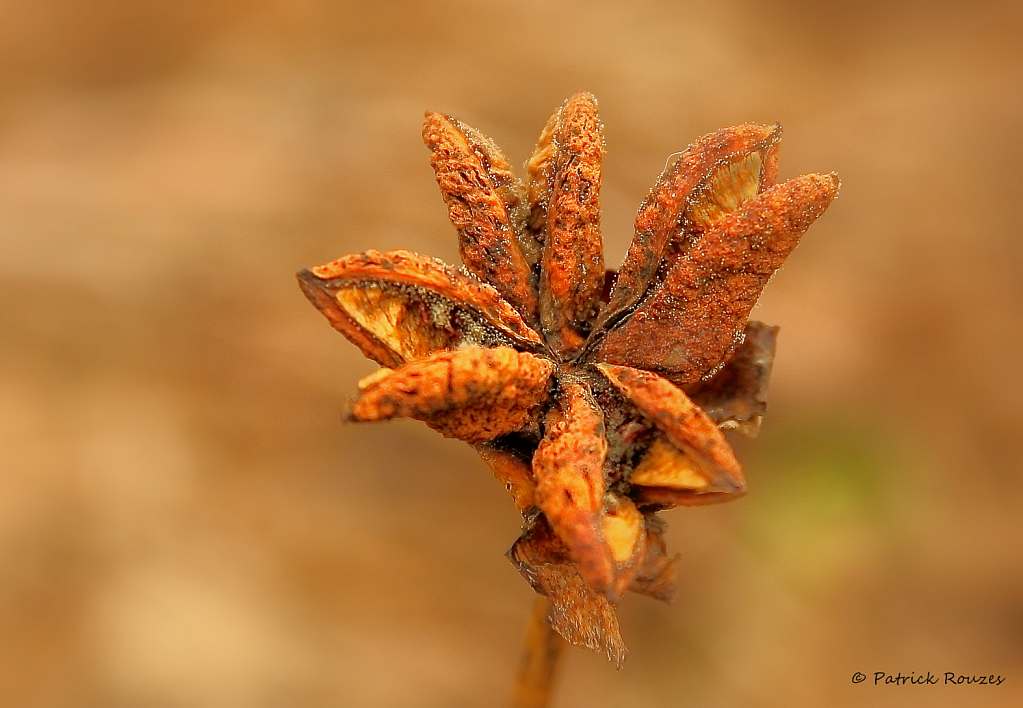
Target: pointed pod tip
(582,97)
(432,123)
(836,181)
(738,140)
(737,486)
(315,288)
(811,193)
(353,412)
(827,180)
(440,128)
(304,275)
(773,137)
(828,185)
(618,655)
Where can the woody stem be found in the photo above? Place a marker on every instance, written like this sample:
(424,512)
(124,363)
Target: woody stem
(540,659)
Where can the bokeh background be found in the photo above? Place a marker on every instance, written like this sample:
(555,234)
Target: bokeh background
(185,522)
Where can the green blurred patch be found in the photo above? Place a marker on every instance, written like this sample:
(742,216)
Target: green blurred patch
(822,497)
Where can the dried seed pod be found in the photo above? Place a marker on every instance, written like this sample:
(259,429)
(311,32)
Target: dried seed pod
(572,267)
(691,322)
(693,458)
(721,169)
(397,306)
(474,395)
(581,615)
(482,196)
(569,470)
(571,381)
(736,396)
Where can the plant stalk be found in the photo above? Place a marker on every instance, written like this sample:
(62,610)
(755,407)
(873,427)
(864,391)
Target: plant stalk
(540,660)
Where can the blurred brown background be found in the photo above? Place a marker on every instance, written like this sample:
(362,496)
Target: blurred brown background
(185,522)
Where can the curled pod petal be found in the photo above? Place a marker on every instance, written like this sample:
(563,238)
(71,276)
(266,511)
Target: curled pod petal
(656,577)
(715,174)
(690,455)
(398,305)
(736,396)
(474,395)
(579,613)
(569,470)
(690,323)
(572,267)
(483,196)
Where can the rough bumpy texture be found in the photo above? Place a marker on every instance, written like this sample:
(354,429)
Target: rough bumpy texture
(692,320)
(596,399)
(662,217)
(572,267)
(482,195)
(474,395)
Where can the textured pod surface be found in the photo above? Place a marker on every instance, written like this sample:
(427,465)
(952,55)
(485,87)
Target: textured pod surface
(581,615)
(597,398)
(685,426)
(691,322)
(705,174)
(397,306)
(569,470)
(470,394)
(482,196)
(572,267)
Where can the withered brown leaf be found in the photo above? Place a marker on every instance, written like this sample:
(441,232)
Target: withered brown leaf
(596,399)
